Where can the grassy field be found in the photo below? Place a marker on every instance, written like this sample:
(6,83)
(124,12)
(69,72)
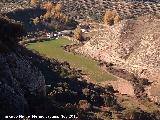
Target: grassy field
(53,49)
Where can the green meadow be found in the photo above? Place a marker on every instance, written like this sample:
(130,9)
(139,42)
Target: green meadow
(54,49)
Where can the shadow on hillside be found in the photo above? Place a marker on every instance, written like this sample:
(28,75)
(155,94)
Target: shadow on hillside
(65,91)
(25,17)
(65,84)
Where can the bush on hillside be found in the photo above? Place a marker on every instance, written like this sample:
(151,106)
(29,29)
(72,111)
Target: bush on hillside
(156,114)
(117,19)
(36,21)
(84,105)
(34,2)
(109,100)
(78,34)
(48,6)
(58,7)
(86,92)
(111,18)
(137,114)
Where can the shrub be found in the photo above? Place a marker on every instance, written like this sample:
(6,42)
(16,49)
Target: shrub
(78,33)
(64,73)
(72,23)
(111,17)
(36,21)
(54,11)
(84,105)
(58,7)
(109,100)
(96,99)
(137,114)
(34,2)
(156,114)
(86,91)
(48,6)
(117,19)
(109,88)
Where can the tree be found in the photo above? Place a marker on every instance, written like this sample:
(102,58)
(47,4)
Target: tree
(84,105)
(34,2)
(78,33)
(46,16)
(36,21)
(57,15)
(66,18)
(111,17)
(41,17)
(53,9)
(58,7)
(48,6)
(117,19)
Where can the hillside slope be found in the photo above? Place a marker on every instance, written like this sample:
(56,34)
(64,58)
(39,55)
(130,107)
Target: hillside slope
(18,77)
(132,45)
(95,9)
(24,76)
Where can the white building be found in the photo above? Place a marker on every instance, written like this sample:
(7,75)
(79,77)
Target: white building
(65,33)
(83,30)
(49,35)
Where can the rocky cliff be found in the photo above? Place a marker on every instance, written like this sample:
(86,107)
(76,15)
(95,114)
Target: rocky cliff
(18,78)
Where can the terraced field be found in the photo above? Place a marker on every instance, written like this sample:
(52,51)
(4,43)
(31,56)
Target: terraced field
(53,49)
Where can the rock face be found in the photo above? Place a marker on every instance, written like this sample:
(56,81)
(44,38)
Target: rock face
(132,45)
(18,78)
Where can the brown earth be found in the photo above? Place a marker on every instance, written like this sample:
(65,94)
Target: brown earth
(132,45)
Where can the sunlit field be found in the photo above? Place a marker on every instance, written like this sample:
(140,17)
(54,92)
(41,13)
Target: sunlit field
(54,49)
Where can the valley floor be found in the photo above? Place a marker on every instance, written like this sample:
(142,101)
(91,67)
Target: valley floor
(54,49)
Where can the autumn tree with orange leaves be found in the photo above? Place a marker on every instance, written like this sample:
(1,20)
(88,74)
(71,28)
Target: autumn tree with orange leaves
(55,11)
(111,17)
(58,7)
(78,34)
(34,2)
(48,6)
